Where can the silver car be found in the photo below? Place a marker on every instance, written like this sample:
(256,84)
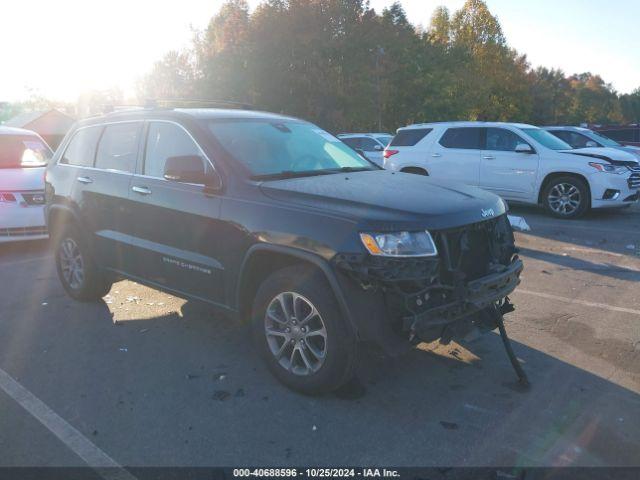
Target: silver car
(371,145)
(579,137)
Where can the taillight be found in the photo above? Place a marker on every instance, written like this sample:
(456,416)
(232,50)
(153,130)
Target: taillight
(390,153)
(7,197)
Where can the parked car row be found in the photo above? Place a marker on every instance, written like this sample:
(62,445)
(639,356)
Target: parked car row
(271,218)
(566,169)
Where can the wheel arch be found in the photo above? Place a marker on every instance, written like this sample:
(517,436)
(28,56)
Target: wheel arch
(58,216)
(550,176)
(263,259)
(415,170)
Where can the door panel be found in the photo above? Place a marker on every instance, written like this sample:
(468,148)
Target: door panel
(456,156)
(503,171)
(106,207)
(177,237)
(177,230)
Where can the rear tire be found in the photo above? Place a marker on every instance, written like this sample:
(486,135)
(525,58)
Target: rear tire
(77,270)
(309,352)
(566,197)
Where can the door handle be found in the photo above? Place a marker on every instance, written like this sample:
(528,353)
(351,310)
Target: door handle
(435,155)
(488,157)
(141,190)
(85,180)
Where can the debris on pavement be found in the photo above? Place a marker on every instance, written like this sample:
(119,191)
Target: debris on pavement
(221,395)
(124,349)
(519,223)
(449,425)
(314,428)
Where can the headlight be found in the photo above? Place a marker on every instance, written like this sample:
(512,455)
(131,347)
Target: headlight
(607,167)
(400,244)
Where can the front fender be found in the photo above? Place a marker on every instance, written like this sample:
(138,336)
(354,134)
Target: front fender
(304,256)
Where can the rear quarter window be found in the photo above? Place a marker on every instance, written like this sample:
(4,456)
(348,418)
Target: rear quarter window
(409,137)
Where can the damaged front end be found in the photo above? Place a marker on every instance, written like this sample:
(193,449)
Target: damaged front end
(464,287)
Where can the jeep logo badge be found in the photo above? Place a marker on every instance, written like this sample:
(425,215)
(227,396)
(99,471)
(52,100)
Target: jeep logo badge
(487,213)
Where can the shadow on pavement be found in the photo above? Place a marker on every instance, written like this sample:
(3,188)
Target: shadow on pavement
(185,388)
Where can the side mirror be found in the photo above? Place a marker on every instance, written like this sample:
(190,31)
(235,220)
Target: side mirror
(185,169)
(378,148)
(591,143)
(523,148)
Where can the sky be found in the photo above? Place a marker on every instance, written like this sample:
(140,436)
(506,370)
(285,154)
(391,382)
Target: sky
(64,48)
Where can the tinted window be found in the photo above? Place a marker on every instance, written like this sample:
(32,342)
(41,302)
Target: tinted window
(353,142)
(166,140)
(369,144)
(409,137)
(468,138)
(17,151)
(118,147)
(384,139)
(82,148)
(500,139)
(576,140)
(284,148)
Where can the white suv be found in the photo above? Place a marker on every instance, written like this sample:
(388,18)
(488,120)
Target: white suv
(519,162)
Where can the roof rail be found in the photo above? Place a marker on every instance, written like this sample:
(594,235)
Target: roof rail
(196,103)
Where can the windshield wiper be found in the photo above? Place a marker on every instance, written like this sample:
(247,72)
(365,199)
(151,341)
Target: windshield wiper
(351,169)
(290,174)
(308,173)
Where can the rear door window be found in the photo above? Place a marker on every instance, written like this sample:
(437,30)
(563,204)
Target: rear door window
(118,147)
(468,138)
(409,137)
(166,140)
(82,148)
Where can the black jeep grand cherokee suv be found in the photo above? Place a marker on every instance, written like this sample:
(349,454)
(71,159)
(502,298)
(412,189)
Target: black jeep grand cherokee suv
(272,218)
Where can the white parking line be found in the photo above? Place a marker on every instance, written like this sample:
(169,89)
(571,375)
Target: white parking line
(613,308)
(569,226)
(102,463)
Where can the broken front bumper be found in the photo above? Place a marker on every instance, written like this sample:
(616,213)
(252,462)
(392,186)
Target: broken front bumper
(464,300)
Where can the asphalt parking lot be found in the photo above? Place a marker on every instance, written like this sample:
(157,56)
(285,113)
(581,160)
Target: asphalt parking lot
(148,379)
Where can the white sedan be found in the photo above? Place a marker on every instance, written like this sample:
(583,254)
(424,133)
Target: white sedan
(23,158)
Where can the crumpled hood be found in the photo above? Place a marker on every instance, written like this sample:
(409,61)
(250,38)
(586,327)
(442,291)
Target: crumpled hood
(383,197)
(612,155)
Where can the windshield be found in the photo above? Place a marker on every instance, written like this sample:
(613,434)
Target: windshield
(18,151)
(286,148)
(547,139)
(384,139)
(605,141)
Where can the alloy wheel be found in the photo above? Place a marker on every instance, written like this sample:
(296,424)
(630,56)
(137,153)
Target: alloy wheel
(71,263)
(564,198)
(296,334)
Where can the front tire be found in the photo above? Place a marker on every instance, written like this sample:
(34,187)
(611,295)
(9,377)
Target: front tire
(77,270)
(566,197)
(300,332)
